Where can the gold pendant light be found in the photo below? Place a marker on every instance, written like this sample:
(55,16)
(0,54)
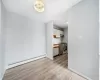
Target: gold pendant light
(39,5)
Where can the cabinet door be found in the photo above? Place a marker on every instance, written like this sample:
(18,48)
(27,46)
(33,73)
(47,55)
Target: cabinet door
(61,32)
(55,51)
(58,32)
(54,31)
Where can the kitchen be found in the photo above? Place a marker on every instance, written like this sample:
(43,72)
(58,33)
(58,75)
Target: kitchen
(56,42)
(60,45)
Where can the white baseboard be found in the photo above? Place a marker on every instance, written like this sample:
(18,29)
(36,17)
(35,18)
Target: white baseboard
(26,61)
(79,74)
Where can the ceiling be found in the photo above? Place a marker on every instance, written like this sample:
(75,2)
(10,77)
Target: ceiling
(61,20)
(60,24)
(53,8)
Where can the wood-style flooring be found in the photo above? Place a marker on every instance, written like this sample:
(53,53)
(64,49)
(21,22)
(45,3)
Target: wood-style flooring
(61,60)
(43,69)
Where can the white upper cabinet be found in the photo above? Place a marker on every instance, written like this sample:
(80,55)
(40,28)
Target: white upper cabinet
(57,32)
(61,32)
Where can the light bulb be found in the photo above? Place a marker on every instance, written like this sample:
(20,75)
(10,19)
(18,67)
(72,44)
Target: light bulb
(39,6)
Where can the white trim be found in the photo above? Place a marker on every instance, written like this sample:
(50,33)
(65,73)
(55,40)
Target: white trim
(79,74)
(23,62)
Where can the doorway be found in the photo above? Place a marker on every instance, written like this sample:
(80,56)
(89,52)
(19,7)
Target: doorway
(60,48)
(57,44)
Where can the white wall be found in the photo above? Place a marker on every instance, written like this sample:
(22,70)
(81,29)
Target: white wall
(99,38)
(83,40)
(25,38)
(65,39)
(2,36)
(99,28)
(1,60)
(49,41)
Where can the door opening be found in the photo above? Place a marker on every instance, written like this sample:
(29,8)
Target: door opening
(57,44)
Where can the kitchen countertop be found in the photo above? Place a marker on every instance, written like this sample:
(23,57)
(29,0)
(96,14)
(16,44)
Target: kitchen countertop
(55,45)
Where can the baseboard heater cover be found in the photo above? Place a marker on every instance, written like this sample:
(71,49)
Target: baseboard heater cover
(2,76)
(24,62)
(80,74)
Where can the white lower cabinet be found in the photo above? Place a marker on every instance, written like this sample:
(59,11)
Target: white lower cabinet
(55,51)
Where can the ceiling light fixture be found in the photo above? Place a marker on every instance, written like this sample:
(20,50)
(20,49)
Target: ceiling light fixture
(39,6)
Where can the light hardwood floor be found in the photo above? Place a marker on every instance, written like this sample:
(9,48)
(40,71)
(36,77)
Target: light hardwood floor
(43,69)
